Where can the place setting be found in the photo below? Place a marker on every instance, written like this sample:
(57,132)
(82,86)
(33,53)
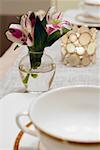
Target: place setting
(54,85)
(46,122)
(56,123)
(87,13)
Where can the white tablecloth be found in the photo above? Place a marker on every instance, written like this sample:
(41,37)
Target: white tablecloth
(65,76)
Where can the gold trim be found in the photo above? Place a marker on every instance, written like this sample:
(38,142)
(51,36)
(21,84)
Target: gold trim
(59,139)
(19,137)
(50,82)
(88,17)
(21,133)
(91,4)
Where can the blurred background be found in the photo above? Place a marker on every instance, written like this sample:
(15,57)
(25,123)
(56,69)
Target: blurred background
(9,9)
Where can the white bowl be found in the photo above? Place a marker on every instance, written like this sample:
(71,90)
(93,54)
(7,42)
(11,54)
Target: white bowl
(69,114)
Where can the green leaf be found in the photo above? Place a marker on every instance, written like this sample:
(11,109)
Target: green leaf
(40,36)
(34,75)
(44,22)
(35,57)
(25,80)
(65,31)
(55,36)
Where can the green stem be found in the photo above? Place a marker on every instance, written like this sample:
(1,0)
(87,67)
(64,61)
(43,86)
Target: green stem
(35,60)
(25,80)
(35,57)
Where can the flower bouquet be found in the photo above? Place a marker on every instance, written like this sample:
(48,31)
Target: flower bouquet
(37,31)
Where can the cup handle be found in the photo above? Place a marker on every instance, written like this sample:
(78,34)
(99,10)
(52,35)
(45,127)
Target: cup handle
(22,127)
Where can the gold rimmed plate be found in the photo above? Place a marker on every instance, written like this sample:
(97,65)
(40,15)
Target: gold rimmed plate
(77,17)
(87,19)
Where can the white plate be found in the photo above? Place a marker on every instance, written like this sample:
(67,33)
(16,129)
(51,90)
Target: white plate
(71,16)
(87,19)
(10,105)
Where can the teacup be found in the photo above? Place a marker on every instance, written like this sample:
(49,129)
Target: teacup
(66,118)
(91,7)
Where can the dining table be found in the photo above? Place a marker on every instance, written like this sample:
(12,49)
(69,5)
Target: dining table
(10,80)
(12,86)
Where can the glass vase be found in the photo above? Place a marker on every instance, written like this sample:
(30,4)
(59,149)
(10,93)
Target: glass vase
(37,71)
